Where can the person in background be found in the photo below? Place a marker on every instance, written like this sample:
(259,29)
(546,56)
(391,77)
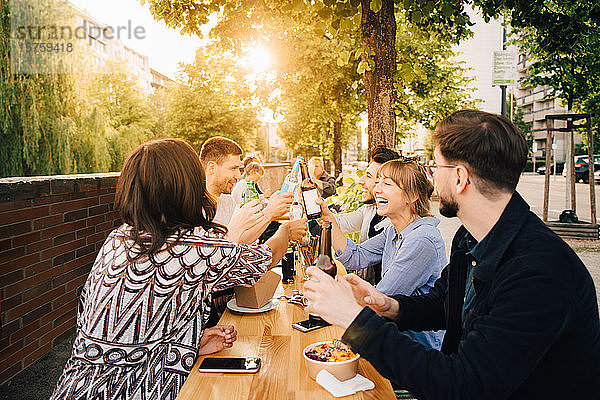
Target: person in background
(410,250)
(253,171)
(365,219)
(166,259)
(325,182)
(518,305)
(220,157)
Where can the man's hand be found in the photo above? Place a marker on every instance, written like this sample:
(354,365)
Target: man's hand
(367,296)
(297,229)
(279,205)
(326,214)
(244,219)
(331,299)
(217,338)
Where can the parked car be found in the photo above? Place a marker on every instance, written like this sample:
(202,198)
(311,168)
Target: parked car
(560,165)
(582,168)
(597,175)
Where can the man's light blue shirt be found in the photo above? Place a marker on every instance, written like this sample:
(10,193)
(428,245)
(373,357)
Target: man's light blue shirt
(411,262)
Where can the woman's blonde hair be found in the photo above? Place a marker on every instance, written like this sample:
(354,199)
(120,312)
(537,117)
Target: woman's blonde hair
(409,175)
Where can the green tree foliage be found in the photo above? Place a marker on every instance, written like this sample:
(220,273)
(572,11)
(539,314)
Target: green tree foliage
(214,101)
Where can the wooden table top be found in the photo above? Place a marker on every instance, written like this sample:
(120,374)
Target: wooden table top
(282,374)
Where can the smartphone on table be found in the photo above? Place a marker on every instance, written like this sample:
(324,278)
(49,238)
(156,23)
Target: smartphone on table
(240,365)
(309,325)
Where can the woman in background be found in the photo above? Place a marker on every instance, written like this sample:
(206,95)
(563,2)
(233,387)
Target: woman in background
(144,306)
(411,250)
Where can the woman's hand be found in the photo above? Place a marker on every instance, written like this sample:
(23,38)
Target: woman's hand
(217,338)
(367,296)
(279,205)
(297,229)
(244,219)
(331,299)
(326,214)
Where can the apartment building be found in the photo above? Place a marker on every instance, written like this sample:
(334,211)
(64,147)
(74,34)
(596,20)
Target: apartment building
(104,44)
(536,103)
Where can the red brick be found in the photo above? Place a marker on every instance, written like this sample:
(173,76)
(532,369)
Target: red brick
(56,332)
(19,263)
(69,299)
(19,354)
(14,205)
(63,258)
(61,319)
(15,229)
(66,334)
(36,334)
(11,277)
(30,310)
(75,283)
(11,349)
(67,237)
(73,264)
(85,232)
(10,328)
(107,198)
(25,331)
(39,246)
(98,219)
(101,209)
(26,239)
(9,255)
(63,228)
(37,313)
(56,198)
(45,222)
(73,205)
(72,304)
(34,356)
(31,281)
(70,275)
(82,251)
(63,248)
(37,290)
(99,237)
(104,227)
(12,302)
(38,268)
(75,215)
(10,372)
(5,244)
(25,214)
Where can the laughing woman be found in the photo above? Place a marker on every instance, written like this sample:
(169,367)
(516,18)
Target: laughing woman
(411,249)
(143,309)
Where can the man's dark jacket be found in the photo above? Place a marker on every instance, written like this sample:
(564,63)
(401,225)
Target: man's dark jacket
(532,331)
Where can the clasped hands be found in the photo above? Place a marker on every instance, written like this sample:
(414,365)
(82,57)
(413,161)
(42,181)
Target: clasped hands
(340,300)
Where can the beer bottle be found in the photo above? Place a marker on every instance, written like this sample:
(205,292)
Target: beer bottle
(325,260)
(310,194)
(291,180)
(250,193)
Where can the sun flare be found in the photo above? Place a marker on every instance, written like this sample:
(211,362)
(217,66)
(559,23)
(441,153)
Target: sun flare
(258,59)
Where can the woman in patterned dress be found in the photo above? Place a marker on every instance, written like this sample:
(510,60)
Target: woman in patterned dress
(143,308)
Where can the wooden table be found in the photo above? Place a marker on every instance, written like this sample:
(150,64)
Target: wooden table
(282,375)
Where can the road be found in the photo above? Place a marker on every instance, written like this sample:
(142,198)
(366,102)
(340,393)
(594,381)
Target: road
(531,187)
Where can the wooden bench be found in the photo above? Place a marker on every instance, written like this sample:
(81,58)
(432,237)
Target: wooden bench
(575,231)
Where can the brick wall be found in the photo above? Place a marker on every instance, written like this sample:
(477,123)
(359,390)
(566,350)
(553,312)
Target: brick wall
(51,229)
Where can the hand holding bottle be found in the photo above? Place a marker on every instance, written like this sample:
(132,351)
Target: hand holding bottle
(279,205)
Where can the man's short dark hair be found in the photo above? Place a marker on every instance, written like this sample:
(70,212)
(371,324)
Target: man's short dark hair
(217,148)
(493,148)
(382,154)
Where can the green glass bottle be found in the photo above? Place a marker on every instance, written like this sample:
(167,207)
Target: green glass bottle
(251,193)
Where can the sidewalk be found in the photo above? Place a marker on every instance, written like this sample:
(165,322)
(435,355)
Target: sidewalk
(37,382)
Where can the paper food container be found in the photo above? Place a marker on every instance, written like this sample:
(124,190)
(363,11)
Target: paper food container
(258,295)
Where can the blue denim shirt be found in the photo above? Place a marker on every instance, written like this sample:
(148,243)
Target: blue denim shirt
(411,262)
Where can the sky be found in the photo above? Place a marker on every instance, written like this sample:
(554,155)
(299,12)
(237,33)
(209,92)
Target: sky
(164,46)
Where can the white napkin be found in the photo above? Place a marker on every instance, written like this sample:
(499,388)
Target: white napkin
(343,388)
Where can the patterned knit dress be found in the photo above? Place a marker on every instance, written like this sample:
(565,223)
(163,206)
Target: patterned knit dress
(139,323)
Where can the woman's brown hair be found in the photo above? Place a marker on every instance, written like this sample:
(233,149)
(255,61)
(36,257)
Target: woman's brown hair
(161,192)
(409,175)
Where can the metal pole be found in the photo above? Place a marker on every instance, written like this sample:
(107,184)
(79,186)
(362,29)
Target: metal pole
(503,87)
(571,159)
(591,171)
(549,126)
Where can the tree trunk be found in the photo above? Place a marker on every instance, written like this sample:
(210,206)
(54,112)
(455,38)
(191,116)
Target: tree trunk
(378,33)
(337,147)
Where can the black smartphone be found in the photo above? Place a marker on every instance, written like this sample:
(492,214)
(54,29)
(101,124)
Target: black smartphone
(240,365)
(309,325)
